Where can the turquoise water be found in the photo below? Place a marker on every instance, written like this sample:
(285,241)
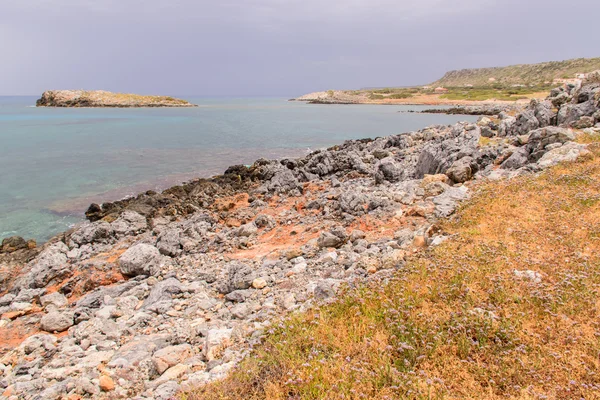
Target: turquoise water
(54,162)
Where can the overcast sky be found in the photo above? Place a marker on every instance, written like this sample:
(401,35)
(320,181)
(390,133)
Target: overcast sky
(277,47)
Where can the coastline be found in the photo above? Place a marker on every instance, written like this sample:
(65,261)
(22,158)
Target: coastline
(165,292)
(126,166)
(78,205)
(342,97)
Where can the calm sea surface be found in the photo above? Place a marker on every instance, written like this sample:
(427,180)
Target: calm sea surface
(54,162)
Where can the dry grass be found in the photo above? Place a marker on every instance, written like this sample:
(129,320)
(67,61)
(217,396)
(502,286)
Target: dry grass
(457,322)
(520,74)
(127,98)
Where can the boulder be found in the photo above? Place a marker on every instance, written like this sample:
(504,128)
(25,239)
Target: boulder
(353,203)
(169,242)
(129,223)
(540,138)
(568,152)
(518,159)
(160,297)
(583,122)
(56,321)
(166,391)
(239,277)
(14,243)
(526,121)
(571,113)
(265,221)
(170,356)
(389,170)
(53,301)
(240,311)
(446,203)
(92,232)
(283,181)
(247,230)
(141,259)
(543,110)
(461,170)
(323,291)
(560,99)
(328,239)
(50,265)
(216,341)
(506,127)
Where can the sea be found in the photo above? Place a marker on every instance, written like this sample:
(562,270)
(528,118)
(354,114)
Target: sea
(54,162)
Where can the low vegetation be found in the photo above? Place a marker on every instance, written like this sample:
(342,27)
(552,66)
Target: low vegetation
(507,308)
(527,74)
(512,83)
(469,93)
(395,94)
(133,98)
(496,92)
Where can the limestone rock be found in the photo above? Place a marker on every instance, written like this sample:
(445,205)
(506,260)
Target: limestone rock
(259,283)
(170,356)
(53,301)
(106,384)
(56,321)
(216,341)
(141,259)
(461,170)
(129,223)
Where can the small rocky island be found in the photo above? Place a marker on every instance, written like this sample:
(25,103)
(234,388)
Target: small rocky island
(101,98)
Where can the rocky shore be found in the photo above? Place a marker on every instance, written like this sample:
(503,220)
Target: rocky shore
(332,97)
(101,98)
(488,109)
(166,291)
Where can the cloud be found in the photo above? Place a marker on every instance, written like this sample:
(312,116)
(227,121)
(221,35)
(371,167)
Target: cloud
(274,46)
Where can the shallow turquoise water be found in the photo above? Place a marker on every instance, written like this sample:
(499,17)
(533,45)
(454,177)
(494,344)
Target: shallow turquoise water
(54,162)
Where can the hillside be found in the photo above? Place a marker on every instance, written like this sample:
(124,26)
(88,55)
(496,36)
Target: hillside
(523,74)
(515,83)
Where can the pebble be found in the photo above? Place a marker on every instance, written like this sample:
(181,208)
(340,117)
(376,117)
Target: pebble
(106,384)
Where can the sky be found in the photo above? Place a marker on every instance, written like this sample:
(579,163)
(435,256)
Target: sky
(277,47)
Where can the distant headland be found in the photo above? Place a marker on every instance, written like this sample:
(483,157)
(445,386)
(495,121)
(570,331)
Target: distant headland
(467,87)
(101,98)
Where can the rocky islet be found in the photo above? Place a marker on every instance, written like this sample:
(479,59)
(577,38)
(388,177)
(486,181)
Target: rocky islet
(102,98)
(166,291)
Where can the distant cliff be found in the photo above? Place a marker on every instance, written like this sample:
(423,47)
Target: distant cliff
(101,98)
(524,74)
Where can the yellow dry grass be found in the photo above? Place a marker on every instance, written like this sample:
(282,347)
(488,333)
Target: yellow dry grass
(128,98)
(457,322)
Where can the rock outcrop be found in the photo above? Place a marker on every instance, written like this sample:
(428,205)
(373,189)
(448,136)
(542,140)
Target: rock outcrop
(101,98)
(166,291)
